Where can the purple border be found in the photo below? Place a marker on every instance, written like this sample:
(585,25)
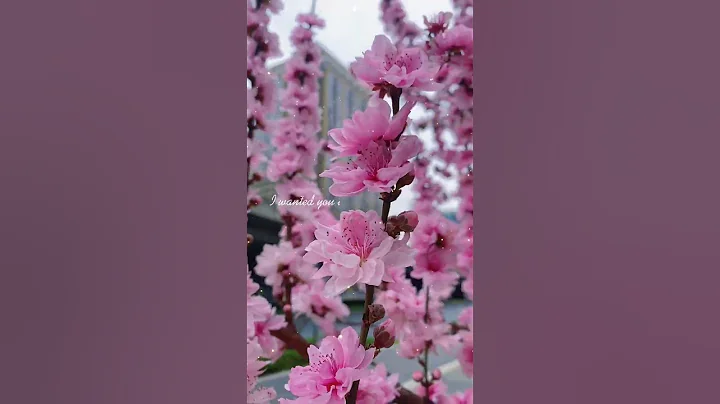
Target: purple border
(123,221)
(597,202)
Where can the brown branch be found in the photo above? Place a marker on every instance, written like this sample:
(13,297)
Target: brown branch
(426,363)
(455,328)
(292,340)
(287,305)
(407,397)
(369,293)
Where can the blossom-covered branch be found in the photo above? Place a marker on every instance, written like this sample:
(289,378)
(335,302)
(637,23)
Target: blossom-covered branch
(261,319)
(443,248)
(378,151)
(292,168)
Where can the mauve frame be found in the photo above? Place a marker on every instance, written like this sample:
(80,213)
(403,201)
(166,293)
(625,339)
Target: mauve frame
(123,253)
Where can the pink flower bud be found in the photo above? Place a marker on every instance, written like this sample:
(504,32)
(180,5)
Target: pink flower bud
(417,376)
(376,312)
(384,335)
(436,374)
(411,219)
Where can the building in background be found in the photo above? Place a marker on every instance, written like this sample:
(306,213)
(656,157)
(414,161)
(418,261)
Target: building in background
(340,96)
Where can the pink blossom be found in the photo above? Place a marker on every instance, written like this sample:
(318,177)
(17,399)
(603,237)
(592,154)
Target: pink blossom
(435,241)
(401,306)
(435,230)
(462,3)
(435,266)
(411,218)
(377,169)
(356,249)
(307,74)
(255,19)
(378,387)
(369,126)
(265,320)
(384,334)
(292,135)
(264,45)
(417,334)
(466,20)
(385,65)
(462,159)
(258,311)
(465,356)
(256,308)
(438,23)
(296,97)
(274,6)
(465,397)
(395,20)
(300,98)
(300,36)
(323,310)
(256,395)
(276,259)
(334,366)
(303,233)
(290,162)
(256,110)
(310,19)
(399,283)
(458,40)
(264,94)
(286,131)
(436,391)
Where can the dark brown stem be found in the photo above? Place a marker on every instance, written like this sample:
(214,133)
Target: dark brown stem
(385,211)
(287,281)
(395,94)
(369,294)
(426,365)
(292,340)
(455,328)
(288,301)
(407,397)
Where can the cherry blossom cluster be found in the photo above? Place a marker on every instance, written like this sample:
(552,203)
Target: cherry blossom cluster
(261,95)
(443,248)
(372,155)
(261,345)
(320,256)
(396,24)
(292,167)
(262,44)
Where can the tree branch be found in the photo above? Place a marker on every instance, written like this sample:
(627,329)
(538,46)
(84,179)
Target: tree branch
(407,397)
(292,340)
